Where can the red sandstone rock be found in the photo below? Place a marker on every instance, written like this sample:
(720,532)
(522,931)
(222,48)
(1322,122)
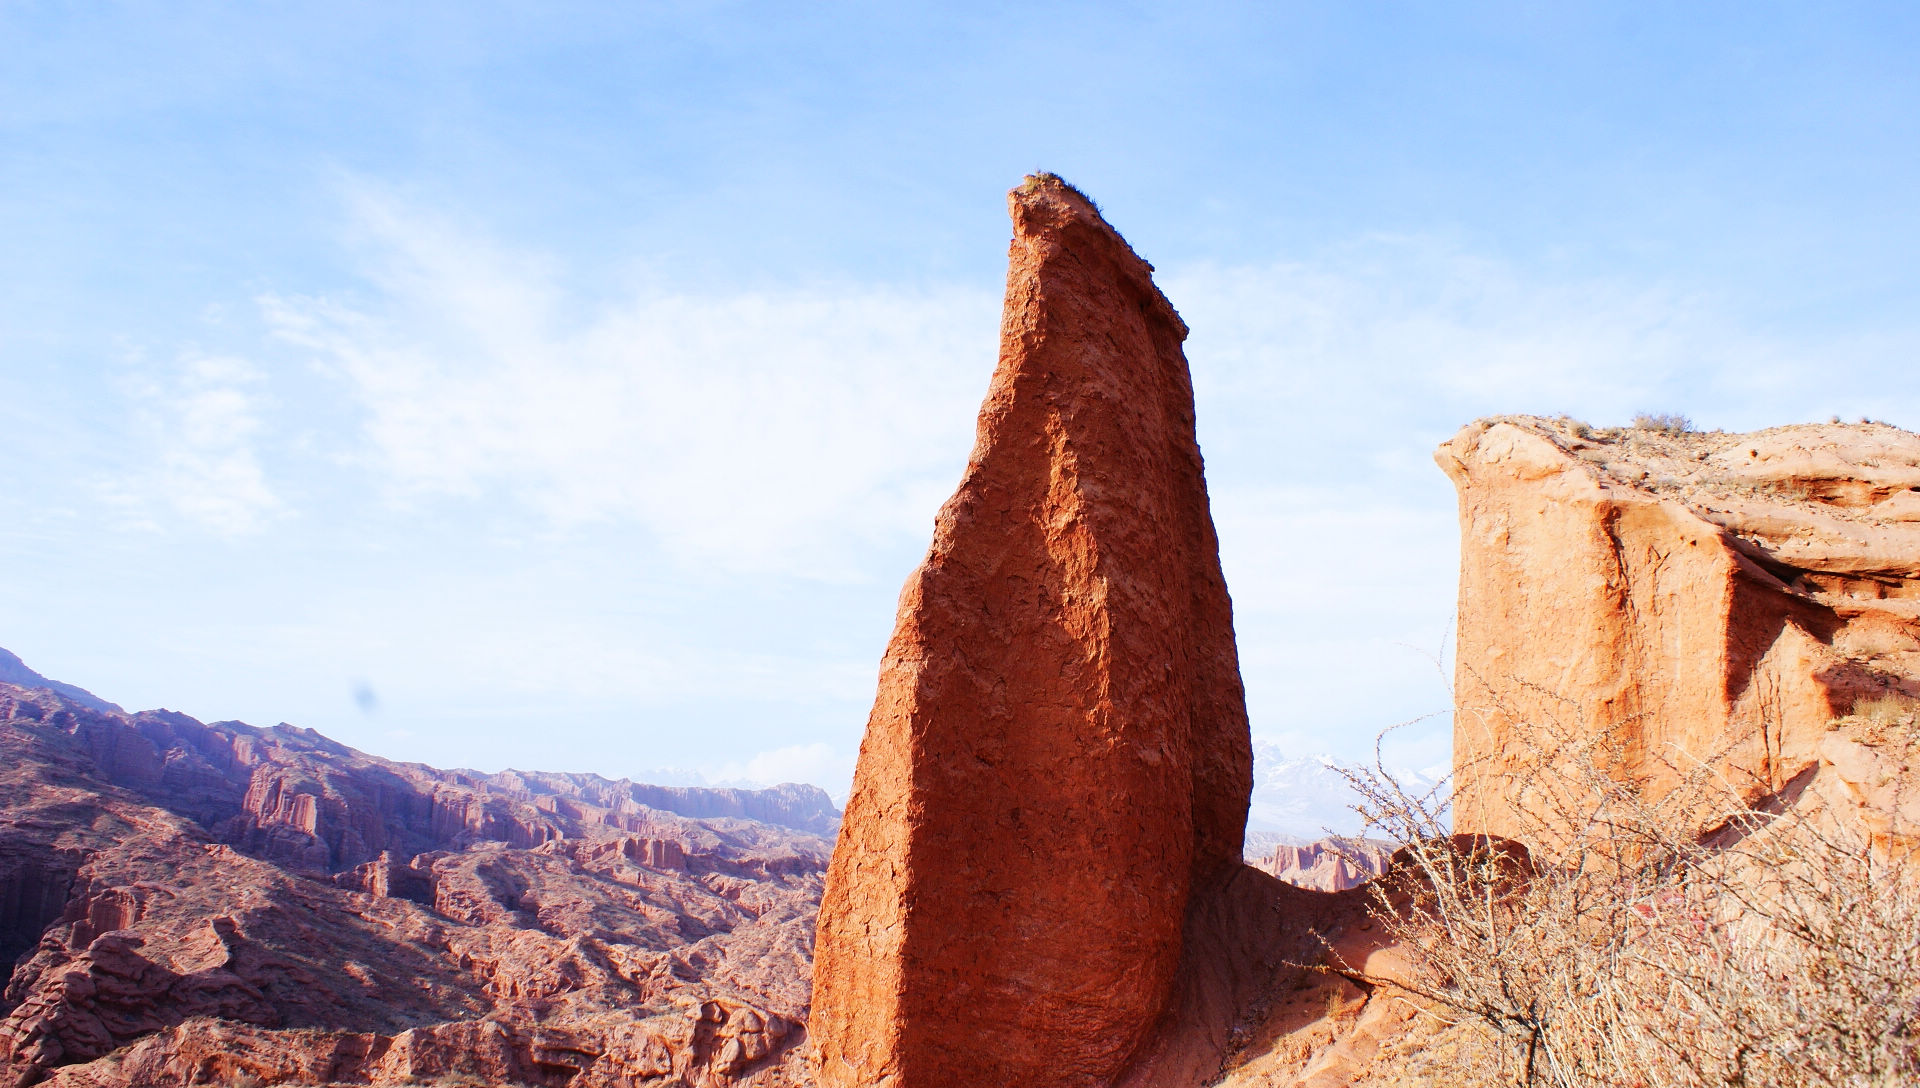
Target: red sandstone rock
(371,922)
(1751,600)
(1327,865)
(1722,597)
(1053,787)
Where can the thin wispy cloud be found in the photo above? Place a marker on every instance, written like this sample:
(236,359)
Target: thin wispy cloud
(195,458)
(764,437)
(754,431)
(1414,330)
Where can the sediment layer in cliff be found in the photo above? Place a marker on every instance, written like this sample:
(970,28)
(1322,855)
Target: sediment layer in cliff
(1698,596)
(1052,791)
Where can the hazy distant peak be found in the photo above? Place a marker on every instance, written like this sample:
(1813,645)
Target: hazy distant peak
(1298,799)
(15,671)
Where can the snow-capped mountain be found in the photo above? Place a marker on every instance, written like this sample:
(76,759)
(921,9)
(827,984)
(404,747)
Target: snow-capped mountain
(1301,798)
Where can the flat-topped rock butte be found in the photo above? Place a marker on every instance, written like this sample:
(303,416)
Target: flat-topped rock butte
(1058,762)
(1710,596)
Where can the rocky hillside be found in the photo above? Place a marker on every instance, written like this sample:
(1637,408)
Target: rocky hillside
(15,671)
(1746,602)
(208,903)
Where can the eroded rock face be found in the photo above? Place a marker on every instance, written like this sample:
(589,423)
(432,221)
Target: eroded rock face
(1326,865)
(1055,776)
(1715,596)
(193,904)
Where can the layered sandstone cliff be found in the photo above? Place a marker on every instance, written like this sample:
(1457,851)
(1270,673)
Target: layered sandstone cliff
(1326,865)
(1052,790)
(184,903)
(1712,597)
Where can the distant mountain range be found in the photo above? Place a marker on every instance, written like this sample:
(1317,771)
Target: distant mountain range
(175,893)
(1297,799)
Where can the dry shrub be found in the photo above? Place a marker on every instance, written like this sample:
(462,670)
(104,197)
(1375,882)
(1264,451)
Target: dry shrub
(1891,708)
(1663,422)
(1692,938)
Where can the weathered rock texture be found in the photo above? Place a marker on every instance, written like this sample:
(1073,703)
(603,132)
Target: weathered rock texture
(1053,787)
(186,903)
(1748,600)
(1326,865)
(1323,1029)
(1709,596)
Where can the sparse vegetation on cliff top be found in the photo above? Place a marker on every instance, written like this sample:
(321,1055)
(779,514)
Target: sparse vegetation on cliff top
(1689,938)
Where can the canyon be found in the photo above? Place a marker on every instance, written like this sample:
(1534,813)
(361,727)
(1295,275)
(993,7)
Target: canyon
(1326,865)
(212,903)
(189,903)
(1043,875)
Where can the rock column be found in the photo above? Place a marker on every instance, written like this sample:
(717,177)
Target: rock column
(1058,756)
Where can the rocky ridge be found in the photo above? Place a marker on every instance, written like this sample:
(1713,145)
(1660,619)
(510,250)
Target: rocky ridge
(196,903)
(15,671)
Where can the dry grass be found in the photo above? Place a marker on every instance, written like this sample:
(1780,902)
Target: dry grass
(1685,939)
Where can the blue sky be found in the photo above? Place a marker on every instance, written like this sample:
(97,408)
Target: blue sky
(580,381)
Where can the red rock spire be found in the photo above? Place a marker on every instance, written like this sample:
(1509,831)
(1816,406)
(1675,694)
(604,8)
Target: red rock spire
(1058,755)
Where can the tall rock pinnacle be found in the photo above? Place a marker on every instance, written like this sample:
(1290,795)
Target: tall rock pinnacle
(1057,765)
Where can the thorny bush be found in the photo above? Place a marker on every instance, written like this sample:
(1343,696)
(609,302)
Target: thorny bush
(1624,938)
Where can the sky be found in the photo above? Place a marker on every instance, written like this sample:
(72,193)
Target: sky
(572,386)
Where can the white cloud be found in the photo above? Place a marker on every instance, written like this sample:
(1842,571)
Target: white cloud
(1388,332)
(201,423)
(782,431)
(754,431)
(779,434)
(823,765)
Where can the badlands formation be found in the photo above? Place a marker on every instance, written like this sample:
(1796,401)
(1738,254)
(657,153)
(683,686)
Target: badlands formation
(1039,868)
(187,903)
(1038,880)
(1326,865)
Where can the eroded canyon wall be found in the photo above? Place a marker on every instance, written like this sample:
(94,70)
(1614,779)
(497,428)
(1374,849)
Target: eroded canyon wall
(188,903)
(1052,791)
(1699,596)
